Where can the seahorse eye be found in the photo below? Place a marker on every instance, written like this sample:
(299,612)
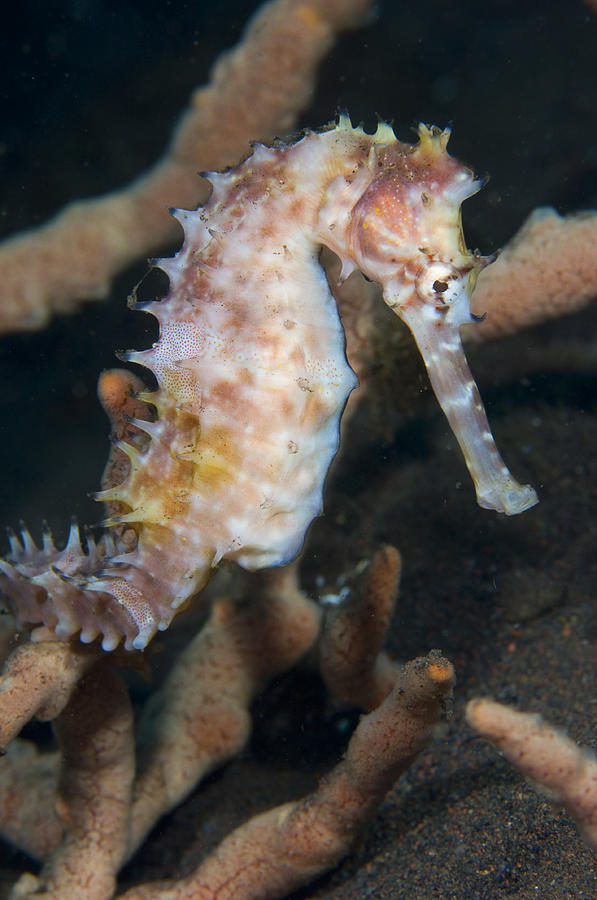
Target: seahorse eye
(437,283)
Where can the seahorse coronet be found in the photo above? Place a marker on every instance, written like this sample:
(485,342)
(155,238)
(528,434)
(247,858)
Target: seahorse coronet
(253,378)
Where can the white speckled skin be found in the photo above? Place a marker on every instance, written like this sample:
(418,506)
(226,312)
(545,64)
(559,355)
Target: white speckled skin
(253,376)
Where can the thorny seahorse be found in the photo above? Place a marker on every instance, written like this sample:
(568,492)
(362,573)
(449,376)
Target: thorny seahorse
(252,375)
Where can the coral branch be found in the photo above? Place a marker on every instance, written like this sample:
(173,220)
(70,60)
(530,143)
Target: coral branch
(350,657)
(200,717)
(548,269)
(38,680)
(289,845)
(95,736)
(28,781)
(545,755)
(256,92)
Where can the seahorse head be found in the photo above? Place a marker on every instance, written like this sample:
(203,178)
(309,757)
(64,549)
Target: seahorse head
(406,229)
(396,217)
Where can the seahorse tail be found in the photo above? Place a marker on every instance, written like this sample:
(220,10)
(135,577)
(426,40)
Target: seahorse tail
(77,590)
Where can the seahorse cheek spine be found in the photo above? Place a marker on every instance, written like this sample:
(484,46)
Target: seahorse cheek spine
(253,377)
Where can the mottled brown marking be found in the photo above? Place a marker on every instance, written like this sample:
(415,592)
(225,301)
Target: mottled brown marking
(296,209)
(226,395)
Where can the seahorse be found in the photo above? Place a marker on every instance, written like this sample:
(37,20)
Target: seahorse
(253,378)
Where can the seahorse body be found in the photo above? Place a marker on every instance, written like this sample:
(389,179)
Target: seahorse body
(253,376)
